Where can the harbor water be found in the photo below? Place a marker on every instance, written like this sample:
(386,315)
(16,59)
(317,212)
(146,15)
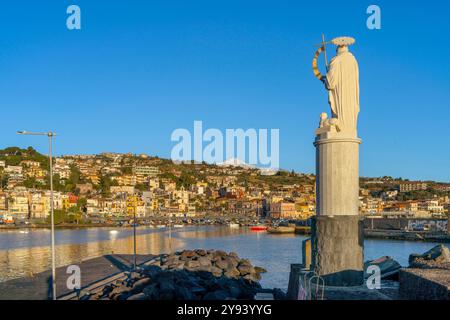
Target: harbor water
(25,252)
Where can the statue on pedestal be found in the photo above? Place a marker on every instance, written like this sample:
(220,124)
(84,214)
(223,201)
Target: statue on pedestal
(342,83)
(337,233)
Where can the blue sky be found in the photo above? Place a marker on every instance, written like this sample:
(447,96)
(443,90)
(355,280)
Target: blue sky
(140,69)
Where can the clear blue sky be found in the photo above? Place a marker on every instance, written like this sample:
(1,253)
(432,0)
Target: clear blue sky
(140,69)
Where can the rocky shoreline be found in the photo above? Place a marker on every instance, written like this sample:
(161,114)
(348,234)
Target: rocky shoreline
(189,275)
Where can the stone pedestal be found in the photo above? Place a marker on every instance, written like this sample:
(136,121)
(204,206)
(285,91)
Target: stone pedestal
(337,230)
(337,246)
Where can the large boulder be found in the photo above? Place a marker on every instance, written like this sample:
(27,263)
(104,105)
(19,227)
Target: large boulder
(119,291)
(245,269)
(140,284)
(139,296)
(217,272)
(260,269)
(232,273)
(204,261)
(201,252)
(218,255)
(192,264)
(222,264)
(177,265)
(388,266)
(187,254)
(436,258)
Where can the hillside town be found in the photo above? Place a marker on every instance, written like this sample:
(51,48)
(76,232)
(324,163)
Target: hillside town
(109,187)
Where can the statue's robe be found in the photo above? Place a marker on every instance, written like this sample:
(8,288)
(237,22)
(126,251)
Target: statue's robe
(343,85)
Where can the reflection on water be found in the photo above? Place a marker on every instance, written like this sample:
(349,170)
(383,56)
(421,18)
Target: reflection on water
(22,254)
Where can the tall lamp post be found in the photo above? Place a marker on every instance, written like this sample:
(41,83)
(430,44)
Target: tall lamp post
(134,234)
(50,136)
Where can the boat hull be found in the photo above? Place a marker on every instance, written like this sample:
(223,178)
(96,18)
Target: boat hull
(281,230)
(258,228)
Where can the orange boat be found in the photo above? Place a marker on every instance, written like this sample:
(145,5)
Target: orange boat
(258,228)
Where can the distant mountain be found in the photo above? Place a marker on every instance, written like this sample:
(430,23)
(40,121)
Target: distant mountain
(235,162)
(268,171)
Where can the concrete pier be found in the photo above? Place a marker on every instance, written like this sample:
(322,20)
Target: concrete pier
(38,287)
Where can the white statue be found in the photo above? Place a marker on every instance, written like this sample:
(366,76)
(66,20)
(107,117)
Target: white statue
(342,83)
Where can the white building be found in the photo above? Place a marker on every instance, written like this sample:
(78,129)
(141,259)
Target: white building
(13,170)
(146,171)
(432,206)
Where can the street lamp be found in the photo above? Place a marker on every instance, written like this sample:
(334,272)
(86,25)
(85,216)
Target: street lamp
(134,237)
(134,207)
(50,135)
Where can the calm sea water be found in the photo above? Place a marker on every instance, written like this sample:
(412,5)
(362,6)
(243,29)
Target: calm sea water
(24,252)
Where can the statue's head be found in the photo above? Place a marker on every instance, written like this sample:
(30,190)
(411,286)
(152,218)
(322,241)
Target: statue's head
(341,49)
(342,44)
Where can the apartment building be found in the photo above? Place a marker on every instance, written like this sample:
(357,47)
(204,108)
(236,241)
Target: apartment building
(283,210)
(148,171)
(413,186)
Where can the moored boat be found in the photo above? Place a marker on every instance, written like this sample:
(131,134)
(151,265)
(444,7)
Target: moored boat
(303,229)
(281,229)
(258,228)
(233,225)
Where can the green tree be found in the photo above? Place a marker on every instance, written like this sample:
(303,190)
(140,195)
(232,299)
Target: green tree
(81,202)
(57,186)
(60,216)
(75,175)
(104,185)
(141,187)
(3,180)
(185,180)
(127,170)
(74,214)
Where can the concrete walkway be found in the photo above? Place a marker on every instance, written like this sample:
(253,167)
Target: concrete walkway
(38,287)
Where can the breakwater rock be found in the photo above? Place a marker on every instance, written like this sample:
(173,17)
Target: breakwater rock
(435,258)
(189,275)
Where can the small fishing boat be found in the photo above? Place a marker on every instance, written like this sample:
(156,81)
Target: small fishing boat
(233,225)
(178,225)
(303,229)
(281,229)
(259,227)
(7,219)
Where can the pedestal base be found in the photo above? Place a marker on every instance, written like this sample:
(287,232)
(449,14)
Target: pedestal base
(338,249)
